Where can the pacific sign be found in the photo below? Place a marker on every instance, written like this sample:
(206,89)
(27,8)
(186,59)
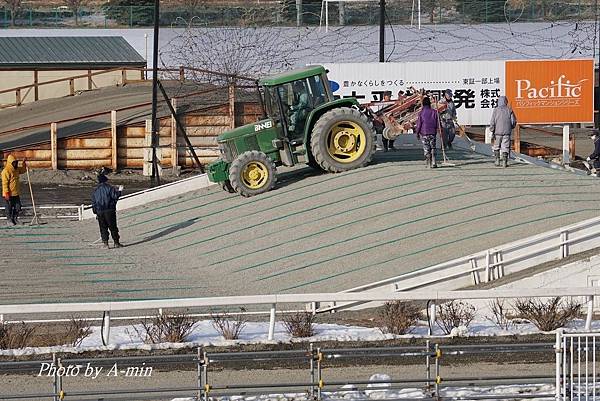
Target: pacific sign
(540,91)
(551,91)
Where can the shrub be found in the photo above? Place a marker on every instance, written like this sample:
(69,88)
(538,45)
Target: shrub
(398,317)
(454,314)
(16,335)
(300,324)
(550,314)
(229,328)
(168,327)
(499,316)
(76,330)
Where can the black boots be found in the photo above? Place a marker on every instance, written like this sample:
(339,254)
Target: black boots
(497,158)
(504,160)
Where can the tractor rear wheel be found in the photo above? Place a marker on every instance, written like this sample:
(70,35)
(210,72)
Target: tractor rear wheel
(252,173)
(342,139)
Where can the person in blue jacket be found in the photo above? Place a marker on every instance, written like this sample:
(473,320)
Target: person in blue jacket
(104,206)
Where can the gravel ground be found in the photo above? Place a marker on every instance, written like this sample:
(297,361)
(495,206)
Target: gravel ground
(314,232)
(25,384)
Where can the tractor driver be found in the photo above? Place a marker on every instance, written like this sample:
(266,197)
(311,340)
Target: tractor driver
(300,108)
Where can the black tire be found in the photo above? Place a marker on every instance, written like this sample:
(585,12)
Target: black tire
(322,135)
(258,162)
(226,186)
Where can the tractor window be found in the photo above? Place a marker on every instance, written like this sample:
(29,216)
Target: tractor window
(271,102)
(317,88)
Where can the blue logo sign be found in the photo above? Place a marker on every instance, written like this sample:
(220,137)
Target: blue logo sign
(334,86)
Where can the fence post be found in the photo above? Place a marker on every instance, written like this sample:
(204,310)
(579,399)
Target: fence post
(89,80)
(432,318)
(114,143)
(572,146)
(590,312)
(71,87)
(565,148)
(199,372)
(319,374)
(564,244)
(54,145)
(181,73)
(312,370)
(232,105)
(558,352)
(272,322)
(174,152)
(106,328)
(517,143)
(54,379)
(438,378)
(488,262)
(18,97)
(36,89)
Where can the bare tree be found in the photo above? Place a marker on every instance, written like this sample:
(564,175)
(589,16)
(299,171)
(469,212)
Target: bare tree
(14,6)
(192,5)
(75,6)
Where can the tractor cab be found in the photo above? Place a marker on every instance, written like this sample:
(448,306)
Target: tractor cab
(290,103)
(301,124)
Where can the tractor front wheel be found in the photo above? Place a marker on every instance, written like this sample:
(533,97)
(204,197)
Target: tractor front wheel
(252,173)
(342,139)
(226,186)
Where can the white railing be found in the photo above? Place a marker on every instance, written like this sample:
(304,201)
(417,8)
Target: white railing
(576,359)
(54,212)
(275,300)
(493,263)
(164,191)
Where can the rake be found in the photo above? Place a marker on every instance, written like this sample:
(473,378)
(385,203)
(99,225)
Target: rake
(35,220)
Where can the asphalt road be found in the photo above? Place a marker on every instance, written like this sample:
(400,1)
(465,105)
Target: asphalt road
(314,232)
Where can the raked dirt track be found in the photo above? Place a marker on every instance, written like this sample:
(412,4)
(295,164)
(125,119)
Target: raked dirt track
(314,232)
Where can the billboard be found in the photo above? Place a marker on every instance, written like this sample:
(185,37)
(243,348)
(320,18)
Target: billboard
(551,91)
(477,85)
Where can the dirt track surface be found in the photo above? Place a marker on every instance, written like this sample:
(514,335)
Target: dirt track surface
(314,232)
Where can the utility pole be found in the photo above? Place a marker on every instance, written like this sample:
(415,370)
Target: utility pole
(155,179)
(382,31)
(597,89)
(299,12)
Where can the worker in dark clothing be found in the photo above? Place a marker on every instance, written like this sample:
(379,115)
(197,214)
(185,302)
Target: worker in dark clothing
(426,129)
(594,158)
(379,125)
(448,118)
(104,206)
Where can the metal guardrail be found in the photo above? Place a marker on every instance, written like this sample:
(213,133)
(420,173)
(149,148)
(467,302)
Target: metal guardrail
(434,296)
(493,263)
(313,359)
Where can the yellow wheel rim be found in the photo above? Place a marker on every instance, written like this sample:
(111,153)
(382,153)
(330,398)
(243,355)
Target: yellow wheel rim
(346,142)
(255,175)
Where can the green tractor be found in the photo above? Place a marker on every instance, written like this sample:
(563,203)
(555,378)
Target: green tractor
(302,123)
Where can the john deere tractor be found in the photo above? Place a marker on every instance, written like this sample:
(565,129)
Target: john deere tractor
(302,124)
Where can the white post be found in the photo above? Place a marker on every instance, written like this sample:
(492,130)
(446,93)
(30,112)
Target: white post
(488,135)
(590,312)
(272,322)
(326,15)
(106,326)
(488,262)
(565,145)
(432,310)
(558,353)
(419,7)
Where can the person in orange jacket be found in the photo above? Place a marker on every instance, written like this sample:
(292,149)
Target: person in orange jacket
(11,189)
